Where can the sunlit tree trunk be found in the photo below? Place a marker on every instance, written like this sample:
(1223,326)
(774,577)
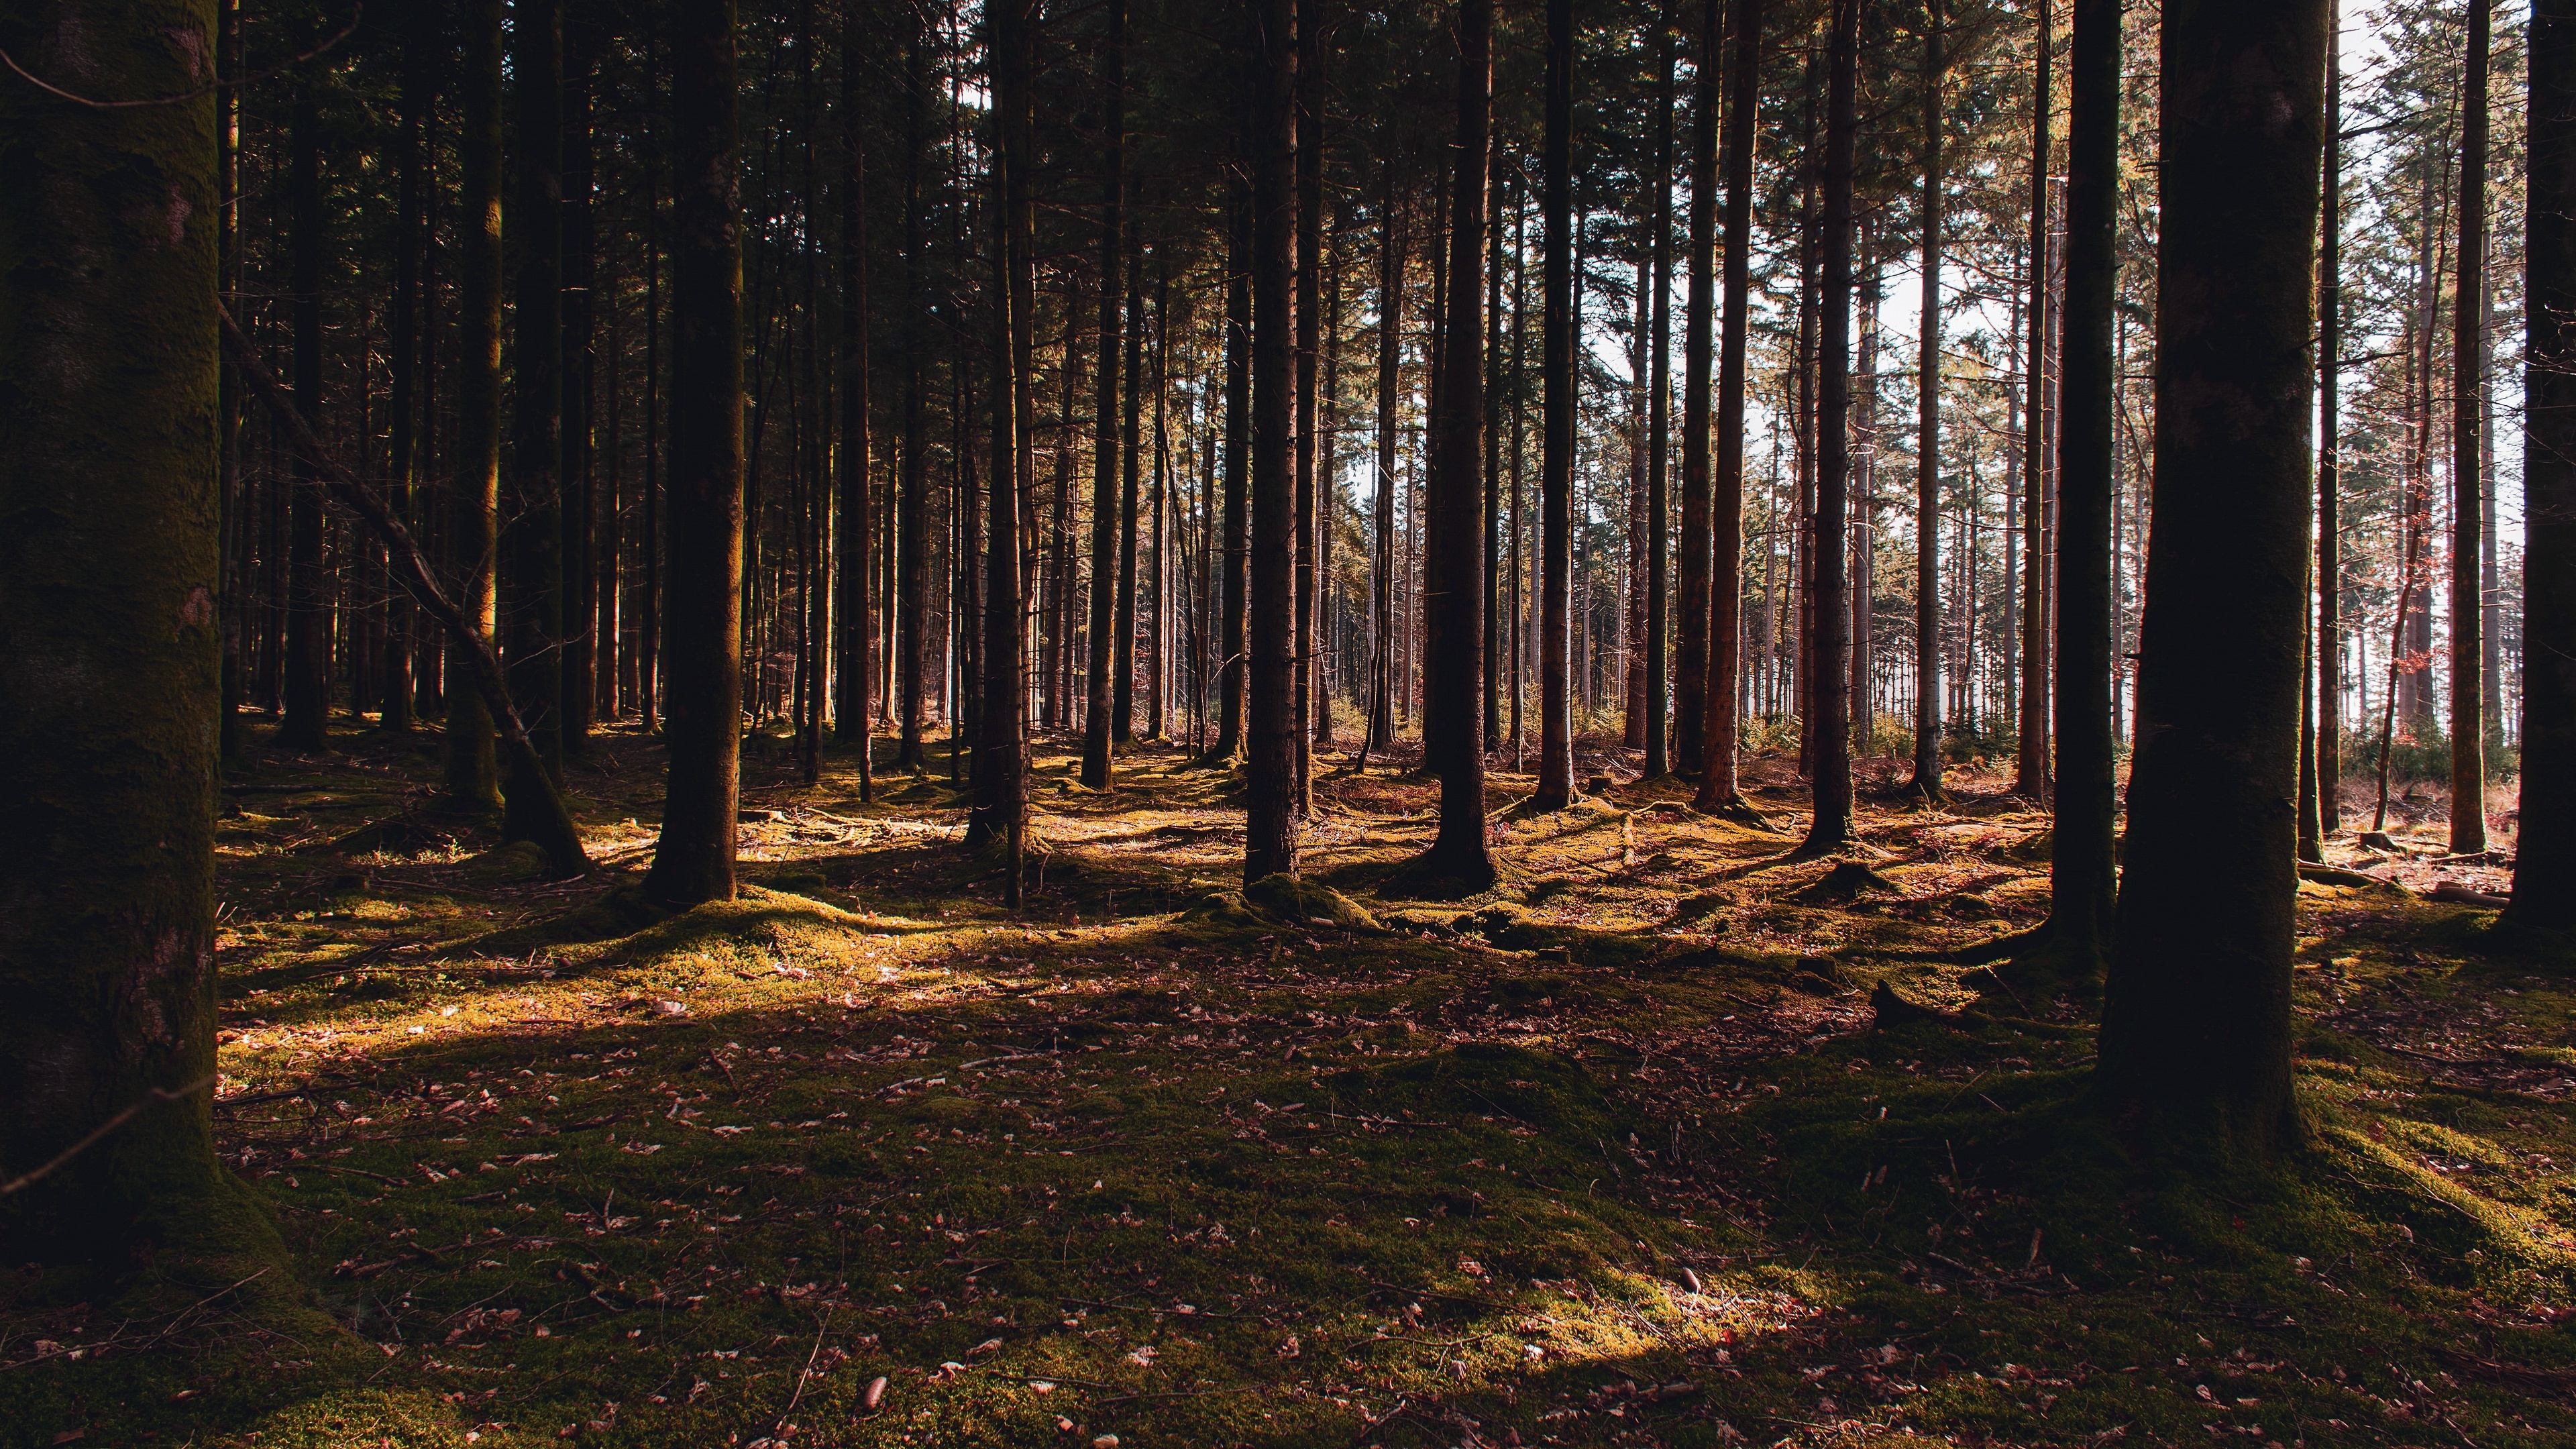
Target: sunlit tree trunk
(1105,438)
(1927,454)
(2030,764)
(1000,813)
(1719,788)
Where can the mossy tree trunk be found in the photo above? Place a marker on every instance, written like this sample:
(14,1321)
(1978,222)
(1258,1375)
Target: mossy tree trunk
(702,660)
(2544,876)
(2196,1025)
(108,634)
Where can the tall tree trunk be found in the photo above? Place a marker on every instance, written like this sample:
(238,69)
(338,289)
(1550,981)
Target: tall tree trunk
(2030,765)
(702,709)
(2196,1025)
(473,770)
(1459,852)
(912,506)
(532,546)
(853,499)
(1123,628)
(1832,827)
(579,683)
(307,722)
(403,347)
(2328,685)
(2544,876)
(1692,677)
(1310,310)
(1231,528)
(1390,352)
(1270,729)
(1105,532)
(1000,814)
(1719,788)
(234,525)
(1556,450)
(109,684)
(2083,870)
(2468,391)
(1927,449)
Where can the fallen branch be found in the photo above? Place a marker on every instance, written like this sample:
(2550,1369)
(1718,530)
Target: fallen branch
(539,806)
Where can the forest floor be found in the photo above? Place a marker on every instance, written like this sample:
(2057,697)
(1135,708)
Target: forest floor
(1614,1155)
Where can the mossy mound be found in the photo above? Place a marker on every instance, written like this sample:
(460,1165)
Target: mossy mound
(520,860)
(1293,902)
(1547,1090)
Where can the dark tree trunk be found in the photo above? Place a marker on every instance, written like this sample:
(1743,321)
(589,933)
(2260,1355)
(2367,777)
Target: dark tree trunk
(853,501)
(109,683)
(1123,638)
(532,546)
(1309,308)
(1105,438)
(2196,1025)
(1719,788)
(1459,853)
(1556,451)
(912,507)
(702,708)
(1699,646)
(1927,455)
(1390,351)
(579,599)
(307,722)
(2030,766)
(1270,726)
(1231,541)
(2544,876)
(1830,724)
(2082,871)
(403,348)
(473,770)
(2468,390)
(1000,814)
(2327,637)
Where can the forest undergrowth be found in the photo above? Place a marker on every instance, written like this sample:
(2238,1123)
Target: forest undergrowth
(1621,1153)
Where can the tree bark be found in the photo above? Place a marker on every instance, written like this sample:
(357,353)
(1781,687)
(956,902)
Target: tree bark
(1000,813)
(108,684)
(1459,853)
(2329,625)
(1693,671)
(579,599)
(306,725)
(1927,449)
(1719,786)
(473,771)
(912,507)
(2197,1023)
(2030,764)
(1830,726)
(2468,390)
(2544,876)
(854,501)
(1105,439)
(2082,868)
(1271,733)
(532,543)
(1556,449)
(702,706)
(1232,543)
